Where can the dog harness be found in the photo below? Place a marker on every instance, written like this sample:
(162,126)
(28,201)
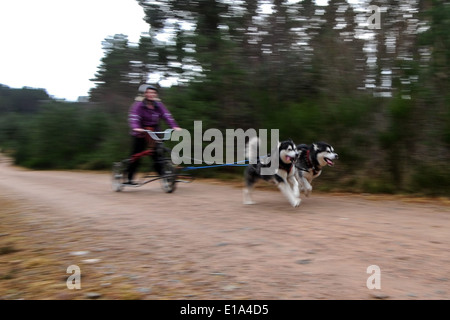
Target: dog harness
(286,166)
(307,164)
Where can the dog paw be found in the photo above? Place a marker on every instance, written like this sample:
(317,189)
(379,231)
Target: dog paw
(249,202)
(296,203)
(308,192)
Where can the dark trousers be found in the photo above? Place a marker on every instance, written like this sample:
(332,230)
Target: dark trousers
(139,145)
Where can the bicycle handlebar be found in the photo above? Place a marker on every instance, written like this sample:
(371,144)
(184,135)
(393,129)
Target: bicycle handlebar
(154,134)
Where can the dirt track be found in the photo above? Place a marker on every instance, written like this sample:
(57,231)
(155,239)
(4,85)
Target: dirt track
(201,242)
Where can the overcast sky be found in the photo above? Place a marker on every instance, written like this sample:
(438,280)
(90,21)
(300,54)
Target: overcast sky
(56,44)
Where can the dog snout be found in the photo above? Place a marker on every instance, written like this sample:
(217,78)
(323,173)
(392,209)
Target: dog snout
(336,156)
(293,154)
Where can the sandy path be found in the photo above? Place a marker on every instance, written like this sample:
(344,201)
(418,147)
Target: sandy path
(201,242)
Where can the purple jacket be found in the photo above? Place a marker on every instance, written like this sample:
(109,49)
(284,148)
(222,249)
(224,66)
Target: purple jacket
(140,116)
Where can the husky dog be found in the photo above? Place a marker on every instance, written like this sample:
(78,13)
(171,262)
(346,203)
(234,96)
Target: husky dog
(310,162)
(282,176)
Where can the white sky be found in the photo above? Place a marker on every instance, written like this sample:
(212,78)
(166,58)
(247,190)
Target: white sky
(56,44)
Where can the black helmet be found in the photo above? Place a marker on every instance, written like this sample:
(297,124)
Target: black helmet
(144,87)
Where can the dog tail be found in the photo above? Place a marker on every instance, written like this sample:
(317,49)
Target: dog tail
(252,150)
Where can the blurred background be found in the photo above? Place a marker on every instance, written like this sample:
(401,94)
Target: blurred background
(315,71)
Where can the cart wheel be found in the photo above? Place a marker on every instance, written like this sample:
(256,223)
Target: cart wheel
(168,182)
(118,176)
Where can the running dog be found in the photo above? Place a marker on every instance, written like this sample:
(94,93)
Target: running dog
(283,175)
(310,162)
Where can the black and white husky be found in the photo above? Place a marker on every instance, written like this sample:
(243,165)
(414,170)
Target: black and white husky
(310,162)
(282,175)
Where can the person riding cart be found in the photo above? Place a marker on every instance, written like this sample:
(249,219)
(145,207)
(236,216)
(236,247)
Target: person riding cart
(146,114)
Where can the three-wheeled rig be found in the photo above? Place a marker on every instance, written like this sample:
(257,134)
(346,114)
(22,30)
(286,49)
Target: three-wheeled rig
(170,173)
